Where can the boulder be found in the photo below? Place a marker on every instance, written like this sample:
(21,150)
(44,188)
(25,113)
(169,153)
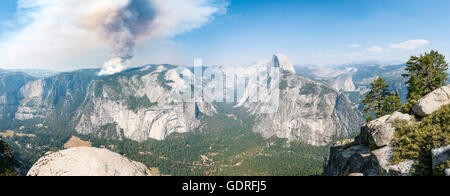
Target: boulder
(379,133)
(432,102)
(370,153)
(447,172)
(440,155)
(87,161)
(385,155)
(376,134)
(349,160)
(399,116)
(404,168)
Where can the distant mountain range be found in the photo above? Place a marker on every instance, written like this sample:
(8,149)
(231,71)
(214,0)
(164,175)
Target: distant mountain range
(137,104)
(355,79)
(136,107)
(37,73)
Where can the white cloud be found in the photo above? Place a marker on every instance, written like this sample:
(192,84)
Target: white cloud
(410,45)
(76,33)
(375,49)
(354,46)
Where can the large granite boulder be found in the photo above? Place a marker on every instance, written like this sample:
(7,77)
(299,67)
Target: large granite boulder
(347,160)
(385,156)
(432,102)
(87,161)
(379,133)
(440,155)
(371,153)
(350,159)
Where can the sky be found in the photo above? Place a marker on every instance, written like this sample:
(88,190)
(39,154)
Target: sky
(239,32)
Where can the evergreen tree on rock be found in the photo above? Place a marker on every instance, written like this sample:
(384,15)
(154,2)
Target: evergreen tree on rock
(425,74)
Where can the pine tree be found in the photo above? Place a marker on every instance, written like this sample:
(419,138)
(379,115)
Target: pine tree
(374,99)
(391,104)
(425,74)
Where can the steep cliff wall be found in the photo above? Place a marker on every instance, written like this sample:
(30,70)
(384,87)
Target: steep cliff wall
(138,105)
(307,110)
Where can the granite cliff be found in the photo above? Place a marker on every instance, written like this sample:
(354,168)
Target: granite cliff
(138,105)
(308,111)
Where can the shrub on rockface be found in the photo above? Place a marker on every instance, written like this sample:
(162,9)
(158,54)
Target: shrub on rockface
(415,141)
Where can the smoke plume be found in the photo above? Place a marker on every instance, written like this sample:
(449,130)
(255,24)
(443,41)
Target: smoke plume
(121,27)
(71,26)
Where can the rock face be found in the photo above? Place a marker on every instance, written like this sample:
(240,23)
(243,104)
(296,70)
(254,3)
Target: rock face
(343,82)
(139,106)
(86,161)
(282,61)
(370,153)
(432,102)
(345,160)
(440,155)
(10,96)
(307,110)
(57,97)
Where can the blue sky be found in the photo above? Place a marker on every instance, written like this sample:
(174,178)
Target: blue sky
(7,9)
(321,32)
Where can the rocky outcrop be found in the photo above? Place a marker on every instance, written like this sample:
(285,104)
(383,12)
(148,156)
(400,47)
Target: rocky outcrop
(432,102)
(376,141)
(351,158)
(370,153)
(440,155)
(348,159)
(86,161)
(385,155)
